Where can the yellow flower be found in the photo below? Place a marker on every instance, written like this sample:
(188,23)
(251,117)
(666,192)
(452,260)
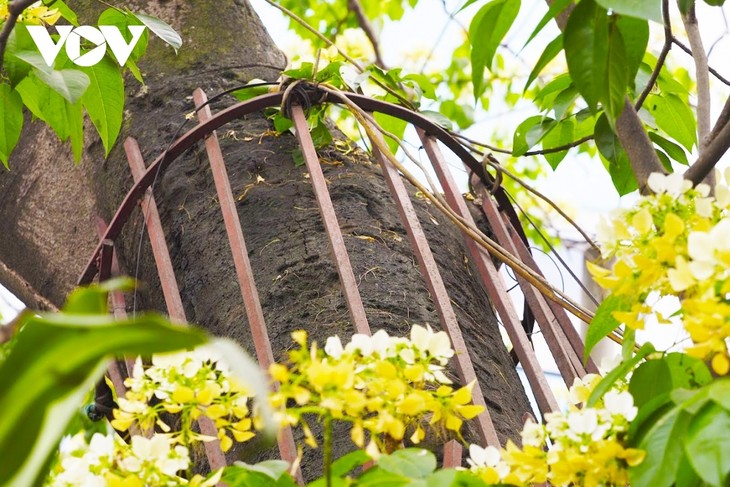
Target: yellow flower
(720,364)
(183,394)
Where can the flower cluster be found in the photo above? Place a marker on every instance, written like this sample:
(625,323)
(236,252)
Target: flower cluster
(585,445)
(188,385)
(37,14)
(391,387)
(674,242)
(106,460)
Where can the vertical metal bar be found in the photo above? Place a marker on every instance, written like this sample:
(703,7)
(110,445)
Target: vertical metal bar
(169,285)
(568,362)
(435,285)
(453,452)
(254,313)
(493,283)
(561,315)
(331,226)
(105,265)
(116,298)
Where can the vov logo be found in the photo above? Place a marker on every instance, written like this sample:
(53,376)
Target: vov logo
(71,36)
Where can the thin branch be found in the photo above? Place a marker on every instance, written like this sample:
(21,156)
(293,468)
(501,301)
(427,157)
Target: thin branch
(493,162)
(14,10)
(662,56)
(703,79)
(540,152)
(709,158)
(712,70)
(722,120)
(328,42)
(367,27)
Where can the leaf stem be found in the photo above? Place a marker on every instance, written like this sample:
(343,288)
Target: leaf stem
(327,449)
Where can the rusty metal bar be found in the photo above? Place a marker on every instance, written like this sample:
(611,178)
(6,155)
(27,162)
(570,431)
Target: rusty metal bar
(493,283)
(254,313)
(105,265)
(439,295)
(331,226)
(175,308)
(567,360)
(116,298)
(453,453)
(562,316)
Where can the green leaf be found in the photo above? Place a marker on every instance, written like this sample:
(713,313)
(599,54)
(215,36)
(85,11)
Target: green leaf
(18,41)
(663,451)
(720,393)
(65,11)
(104,100)
(556,7)
(529,133)
(603,321)
(64,118)
(561,134)
(123,20)
(345,464)
(413,463)
(438,118)
(649,380)
(551,50)
(673,150)
(619,167)
(674,117)
(11,121)
(641,9)
(162,30)
(55,358)
(708,444)
(69,83)
(486,31)
(624,368)
(635,34)
(617,79)
(687,372)
(586,50)
(395,126)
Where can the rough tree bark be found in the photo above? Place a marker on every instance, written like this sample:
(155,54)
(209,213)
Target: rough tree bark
(48,207)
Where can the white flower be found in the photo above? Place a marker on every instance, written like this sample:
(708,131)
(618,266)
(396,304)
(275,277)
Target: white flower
(380,343)
(333,347)
(483,457)
(533,434)
(620,403)
(672,184)
(583,422)
(705,207)
(437,345)
(100,446)
(361,343)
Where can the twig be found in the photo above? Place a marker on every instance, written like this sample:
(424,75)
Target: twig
(539,282)
(14,10)
(703,79)
(367,27)
(712,70)
(709,158)
(349,59)
(662,56)
(722,120)
(489,159)
(540,152)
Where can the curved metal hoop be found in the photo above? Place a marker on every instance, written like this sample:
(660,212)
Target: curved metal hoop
(203,129)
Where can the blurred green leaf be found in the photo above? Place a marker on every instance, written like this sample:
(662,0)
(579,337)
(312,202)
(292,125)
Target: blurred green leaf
(486,31)
(54,360)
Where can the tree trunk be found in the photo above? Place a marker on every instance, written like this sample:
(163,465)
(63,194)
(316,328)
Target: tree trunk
(49,206)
